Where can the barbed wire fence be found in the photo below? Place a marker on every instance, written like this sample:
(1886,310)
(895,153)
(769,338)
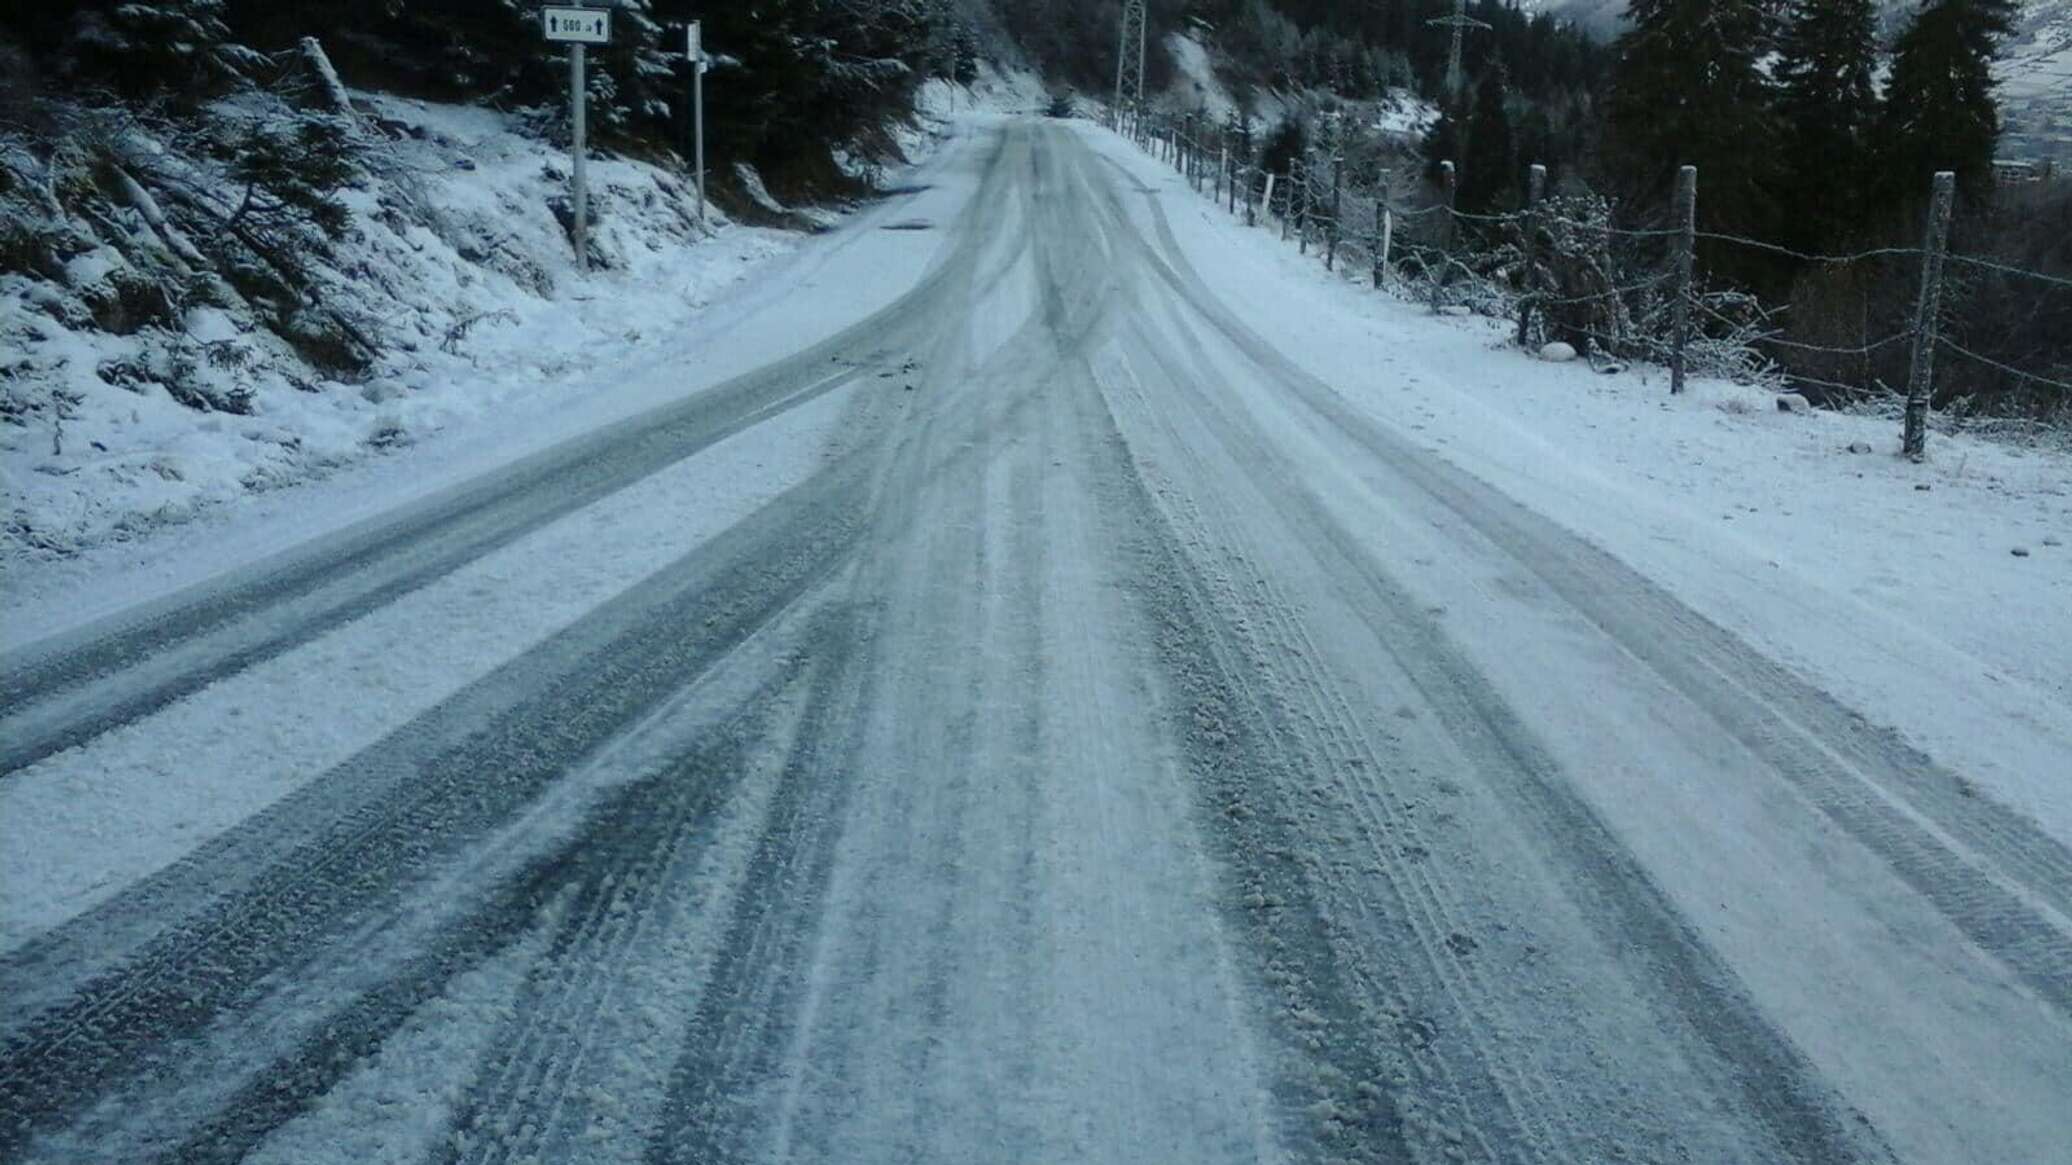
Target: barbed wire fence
(1565,271)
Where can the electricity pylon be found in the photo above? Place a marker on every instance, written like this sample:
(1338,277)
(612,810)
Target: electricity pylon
(1129,56)
(1460,22)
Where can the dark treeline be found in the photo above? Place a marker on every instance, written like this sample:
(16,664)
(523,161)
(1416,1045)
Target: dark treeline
(798,76)
(1779,103)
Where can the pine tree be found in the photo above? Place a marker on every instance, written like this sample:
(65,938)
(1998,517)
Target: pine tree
(1940,112)
(180,48)
(1488,177)
(1829,106)
(1687,90)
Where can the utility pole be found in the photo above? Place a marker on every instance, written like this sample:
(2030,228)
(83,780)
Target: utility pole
(1460,22)
(1129,57)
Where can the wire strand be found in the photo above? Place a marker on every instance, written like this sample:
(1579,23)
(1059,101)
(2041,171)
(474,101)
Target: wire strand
(1496,218)
(1607,228)
(1758,244)
(2007,368)
(1542,300)
(1990,265)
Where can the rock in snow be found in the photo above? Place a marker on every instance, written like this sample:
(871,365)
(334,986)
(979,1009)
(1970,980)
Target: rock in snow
(1558,352)
(1791,402)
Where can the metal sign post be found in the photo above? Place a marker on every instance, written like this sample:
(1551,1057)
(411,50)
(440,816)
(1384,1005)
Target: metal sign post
(695,49)
(578,27)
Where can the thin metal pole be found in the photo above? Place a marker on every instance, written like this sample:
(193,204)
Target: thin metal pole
(698,115)
(579,101)
(1686,249)
(1927,318)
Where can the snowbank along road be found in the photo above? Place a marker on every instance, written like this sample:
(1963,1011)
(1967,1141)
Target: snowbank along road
(1038,721)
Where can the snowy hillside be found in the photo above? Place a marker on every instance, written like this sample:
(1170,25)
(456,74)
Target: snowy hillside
(131,409)
(1399,115)
(2036,82)
(455,268)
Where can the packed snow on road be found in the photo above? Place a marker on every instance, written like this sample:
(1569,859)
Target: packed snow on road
(1043,672)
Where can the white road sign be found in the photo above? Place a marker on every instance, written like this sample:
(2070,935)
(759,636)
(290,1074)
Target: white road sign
(580,25)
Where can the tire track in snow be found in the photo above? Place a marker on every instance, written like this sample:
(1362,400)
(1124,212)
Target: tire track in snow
(272,891)
(1335,1083)
(1995,875)
(741,1027)
(1778,1086)
(642,830)
(1481,1096)
(534,1097)
(724,1092)
(1340,1097)
(65,691)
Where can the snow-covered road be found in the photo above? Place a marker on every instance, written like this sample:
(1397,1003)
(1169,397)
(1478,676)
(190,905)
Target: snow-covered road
(1039,718)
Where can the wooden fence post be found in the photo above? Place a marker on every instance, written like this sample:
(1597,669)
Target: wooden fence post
(1449,186)
(1194,151)
(1388,242)
(1190,152)
(1686,249)
(1381,211)
(1244,145)
(1928,317)
(1302,208)
(1228,190)
(1337,211)
(1535,189)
